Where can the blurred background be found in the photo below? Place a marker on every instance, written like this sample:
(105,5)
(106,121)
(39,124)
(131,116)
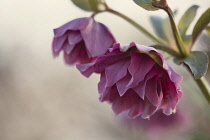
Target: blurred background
(43,99)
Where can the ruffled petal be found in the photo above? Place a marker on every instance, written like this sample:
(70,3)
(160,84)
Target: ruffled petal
(97,39)
(77,24)
(57,44)
(151,91)
(172,74)
(110,95)
(77,55)
(74,37)
(116,71)
(142,48)
(176,78)
(140,65)
(149,109)
(100,64)
(125,102)
(140,88)
(73,57)
(102,83)
(170,96)
(68,48)
(86,69)
(122,84)
(136,109)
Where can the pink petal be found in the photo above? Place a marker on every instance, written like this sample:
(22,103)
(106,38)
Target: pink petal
(75,55)
(172,74)
(58,43)
(77,24)
(140,88)
(71,58)
(122,84)
(68,48)
(136,109)
(151,91)
(110,95)
(125,102)
(116,71)
(97,39)
(102,83)
(149,109)
(140,65)
(170,96)
(142,48)
(74,37)
(100,64)
(83,56)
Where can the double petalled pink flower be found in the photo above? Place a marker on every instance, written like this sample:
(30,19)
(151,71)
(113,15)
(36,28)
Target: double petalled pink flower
(137,79)
(82,40)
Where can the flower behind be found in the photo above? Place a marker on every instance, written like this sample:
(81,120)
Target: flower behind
(135,78)
(81,40)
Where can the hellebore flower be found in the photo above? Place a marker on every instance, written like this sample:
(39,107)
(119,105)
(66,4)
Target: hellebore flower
(137,79)
(81,40)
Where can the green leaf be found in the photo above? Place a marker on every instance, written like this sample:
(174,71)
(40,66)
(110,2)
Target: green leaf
(197,61)
(187,19)
(202,22)
(83,4)
(146,4)
(157,23)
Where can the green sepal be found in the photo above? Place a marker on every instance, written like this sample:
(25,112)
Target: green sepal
(83,4)
(146,4)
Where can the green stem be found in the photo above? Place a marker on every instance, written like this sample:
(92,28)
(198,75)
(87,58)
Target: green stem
(176,33)
(139,27)
(204,87)
(202,84)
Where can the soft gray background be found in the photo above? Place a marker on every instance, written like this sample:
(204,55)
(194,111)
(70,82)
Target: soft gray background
(43,99)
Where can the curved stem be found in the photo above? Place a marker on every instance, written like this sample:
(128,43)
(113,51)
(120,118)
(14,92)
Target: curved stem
(139,27)
(204,87)
(202,84)
(176,33)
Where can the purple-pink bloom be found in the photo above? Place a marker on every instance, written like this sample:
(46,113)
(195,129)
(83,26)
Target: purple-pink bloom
(137,79)
(81,40)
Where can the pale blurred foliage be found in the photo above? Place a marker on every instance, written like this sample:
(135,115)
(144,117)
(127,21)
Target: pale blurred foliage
(43,99)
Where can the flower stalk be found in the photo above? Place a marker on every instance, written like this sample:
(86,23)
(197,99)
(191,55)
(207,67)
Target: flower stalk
(176,33)
(202,82)
(204,87)
(162,4)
